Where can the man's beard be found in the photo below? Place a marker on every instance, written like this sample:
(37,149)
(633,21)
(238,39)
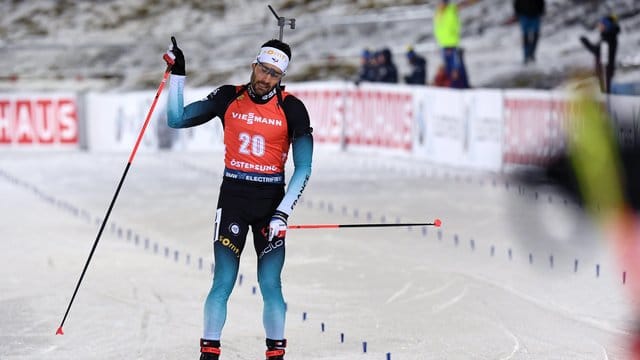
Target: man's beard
(260,88)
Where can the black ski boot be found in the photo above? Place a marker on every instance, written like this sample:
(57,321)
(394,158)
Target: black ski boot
(209,349)
(275,349)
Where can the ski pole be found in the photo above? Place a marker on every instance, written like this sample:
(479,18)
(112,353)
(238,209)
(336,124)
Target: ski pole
(436,223)
(113,200)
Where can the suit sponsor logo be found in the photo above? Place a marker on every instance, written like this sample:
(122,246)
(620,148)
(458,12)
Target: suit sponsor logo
(249,166)
(226,242)
(252,118)
(272,245)
(234,228)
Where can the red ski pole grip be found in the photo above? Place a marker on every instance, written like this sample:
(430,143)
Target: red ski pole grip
(168,59)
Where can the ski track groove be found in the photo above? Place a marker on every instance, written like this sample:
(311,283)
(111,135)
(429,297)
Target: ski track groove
(399,293)
(516,343)
(443,306)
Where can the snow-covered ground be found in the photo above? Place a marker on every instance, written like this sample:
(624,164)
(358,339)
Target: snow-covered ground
(118,44)
(480,288)
(510,275)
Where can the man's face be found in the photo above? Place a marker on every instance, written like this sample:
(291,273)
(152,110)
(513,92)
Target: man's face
(264,77)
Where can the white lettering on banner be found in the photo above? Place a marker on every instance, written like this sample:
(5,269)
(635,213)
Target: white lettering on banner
(46,129)
(250,118)
(68,120)
(24,126)
(380,118)
(528,124)
(326,111)
(38,121)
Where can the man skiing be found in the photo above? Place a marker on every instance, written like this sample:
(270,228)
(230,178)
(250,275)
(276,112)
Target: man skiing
(260,122)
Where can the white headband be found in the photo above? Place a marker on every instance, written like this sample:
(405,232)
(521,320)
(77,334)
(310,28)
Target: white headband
(274,57)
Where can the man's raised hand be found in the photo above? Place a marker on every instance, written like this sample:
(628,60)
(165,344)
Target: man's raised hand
(175,58)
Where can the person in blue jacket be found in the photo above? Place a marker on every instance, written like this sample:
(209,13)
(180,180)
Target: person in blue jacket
(387,70)
(529,14)
(418,74)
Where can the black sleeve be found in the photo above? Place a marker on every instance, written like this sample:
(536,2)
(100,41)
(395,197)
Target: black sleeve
(297,117)
(221,98)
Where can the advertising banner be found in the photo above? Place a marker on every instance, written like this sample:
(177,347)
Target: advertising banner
(326,104)
(484,119)
(533,123)
(459,128)
(369,116)
(478,128)
(380,116)
(39,121)
(625,114)
(114,120)
(449,126)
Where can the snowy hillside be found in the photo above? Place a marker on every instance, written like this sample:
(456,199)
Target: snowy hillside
(117,44)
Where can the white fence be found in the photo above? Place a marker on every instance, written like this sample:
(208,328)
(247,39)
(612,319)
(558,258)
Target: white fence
(478,128)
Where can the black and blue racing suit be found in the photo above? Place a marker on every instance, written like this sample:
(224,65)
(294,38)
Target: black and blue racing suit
(258,132)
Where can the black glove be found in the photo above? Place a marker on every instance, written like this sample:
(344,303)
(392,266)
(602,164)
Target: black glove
(175,58)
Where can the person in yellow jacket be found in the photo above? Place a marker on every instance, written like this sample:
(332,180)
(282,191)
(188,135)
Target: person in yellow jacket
(446,30)
(446,25)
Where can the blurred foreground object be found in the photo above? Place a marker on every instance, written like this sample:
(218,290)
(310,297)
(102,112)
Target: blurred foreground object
(603,177)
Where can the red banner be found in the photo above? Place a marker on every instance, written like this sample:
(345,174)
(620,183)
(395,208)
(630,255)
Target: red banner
(43,120)
(533,130)
(380,118)
(363,117)
(326,110)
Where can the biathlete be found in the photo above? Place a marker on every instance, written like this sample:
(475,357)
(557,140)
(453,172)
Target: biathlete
(261,122)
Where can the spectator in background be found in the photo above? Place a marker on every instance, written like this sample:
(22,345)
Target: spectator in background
(446,29)
(441,79)
(459,78)
(387,70)
(529,14)
(605,50)
(418,74)
(368,70)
